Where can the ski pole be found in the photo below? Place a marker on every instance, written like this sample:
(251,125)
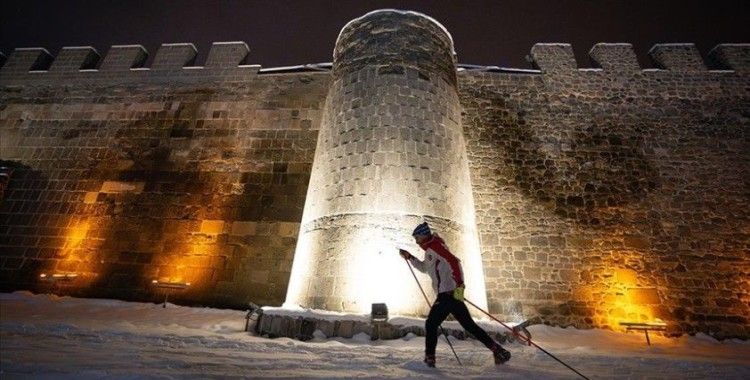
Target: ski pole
(528,340)
(445,334)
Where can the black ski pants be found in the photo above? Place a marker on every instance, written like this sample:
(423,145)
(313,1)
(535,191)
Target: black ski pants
(445,304)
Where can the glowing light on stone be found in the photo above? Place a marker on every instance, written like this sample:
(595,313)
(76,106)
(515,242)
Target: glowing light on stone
(77,234)
(621,297)
(390,154)
(77,261)
(192,266)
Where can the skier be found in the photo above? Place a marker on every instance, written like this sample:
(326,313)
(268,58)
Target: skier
(447,279)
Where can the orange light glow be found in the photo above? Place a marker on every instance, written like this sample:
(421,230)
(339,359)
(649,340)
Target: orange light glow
(76,235)
(194,265)
(621,297)
(77,266)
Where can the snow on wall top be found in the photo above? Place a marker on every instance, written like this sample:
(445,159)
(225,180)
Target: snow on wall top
(403,12)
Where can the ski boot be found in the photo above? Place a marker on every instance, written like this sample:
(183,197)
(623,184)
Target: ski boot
(429,360)
(501,355)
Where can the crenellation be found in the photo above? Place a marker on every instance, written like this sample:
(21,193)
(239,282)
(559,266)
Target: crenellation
(225,55)
(175,56)
(122,58)
(680,57)
(586,188)
(167,173)
(71,59)
(23,60)
(732,56)
(173,62)
(553,58)
(615,58)
(124,63)
(555,149)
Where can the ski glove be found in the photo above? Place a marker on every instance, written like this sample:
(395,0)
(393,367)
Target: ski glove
(458,293)
(405,254)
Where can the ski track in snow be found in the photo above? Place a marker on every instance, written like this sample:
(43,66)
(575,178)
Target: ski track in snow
(45,336)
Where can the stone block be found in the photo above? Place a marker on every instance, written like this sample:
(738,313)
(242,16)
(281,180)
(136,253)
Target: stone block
(226,54)
(732,56)
(678,57)
(288,229)
(345,329)
(556,241)
(277,325)
(68,266)
(73,58)
(615,58)
(264,324)
(644,296)
(362,327)
(626,276)
(636,241)
(112,187)
(554,57)
(532,273)
(567,275)
(174,56)
(514,242)
(326,327)
(243,228)
(123,58)
(90,197)
(259,276)
(22,60)
(583,293)
(579,241)
(384,330)
(212,227)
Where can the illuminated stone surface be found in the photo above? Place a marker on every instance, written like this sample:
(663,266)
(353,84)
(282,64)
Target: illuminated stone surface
(589,184)
(592,182)
(390,152)
(183,182)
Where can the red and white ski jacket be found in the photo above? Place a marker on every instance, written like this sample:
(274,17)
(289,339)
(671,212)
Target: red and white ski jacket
(443,267)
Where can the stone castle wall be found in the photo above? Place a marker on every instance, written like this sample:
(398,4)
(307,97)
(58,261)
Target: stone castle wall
(615,194)
(125,176)
(600,195)
(391,153)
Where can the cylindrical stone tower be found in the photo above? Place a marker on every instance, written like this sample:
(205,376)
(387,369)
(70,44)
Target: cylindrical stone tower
(390,154)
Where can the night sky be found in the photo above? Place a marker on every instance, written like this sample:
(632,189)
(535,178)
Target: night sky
(283,33)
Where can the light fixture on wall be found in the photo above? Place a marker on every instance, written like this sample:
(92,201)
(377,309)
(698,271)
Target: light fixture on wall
(58,278)
(168,287)
(379,312)
(656,325)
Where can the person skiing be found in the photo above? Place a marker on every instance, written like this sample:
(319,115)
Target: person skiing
(447,280)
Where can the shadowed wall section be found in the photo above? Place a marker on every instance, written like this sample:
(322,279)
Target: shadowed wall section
(164,177)
(602,194)
(614,194)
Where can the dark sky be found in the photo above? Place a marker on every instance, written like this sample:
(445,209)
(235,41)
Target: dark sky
(295,32)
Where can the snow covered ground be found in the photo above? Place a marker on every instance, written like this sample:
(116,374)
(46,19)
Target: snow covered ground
(44,336)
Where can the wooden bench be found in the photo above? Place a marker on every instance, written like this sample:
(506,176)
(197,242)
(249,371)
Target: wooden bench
(645,327)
